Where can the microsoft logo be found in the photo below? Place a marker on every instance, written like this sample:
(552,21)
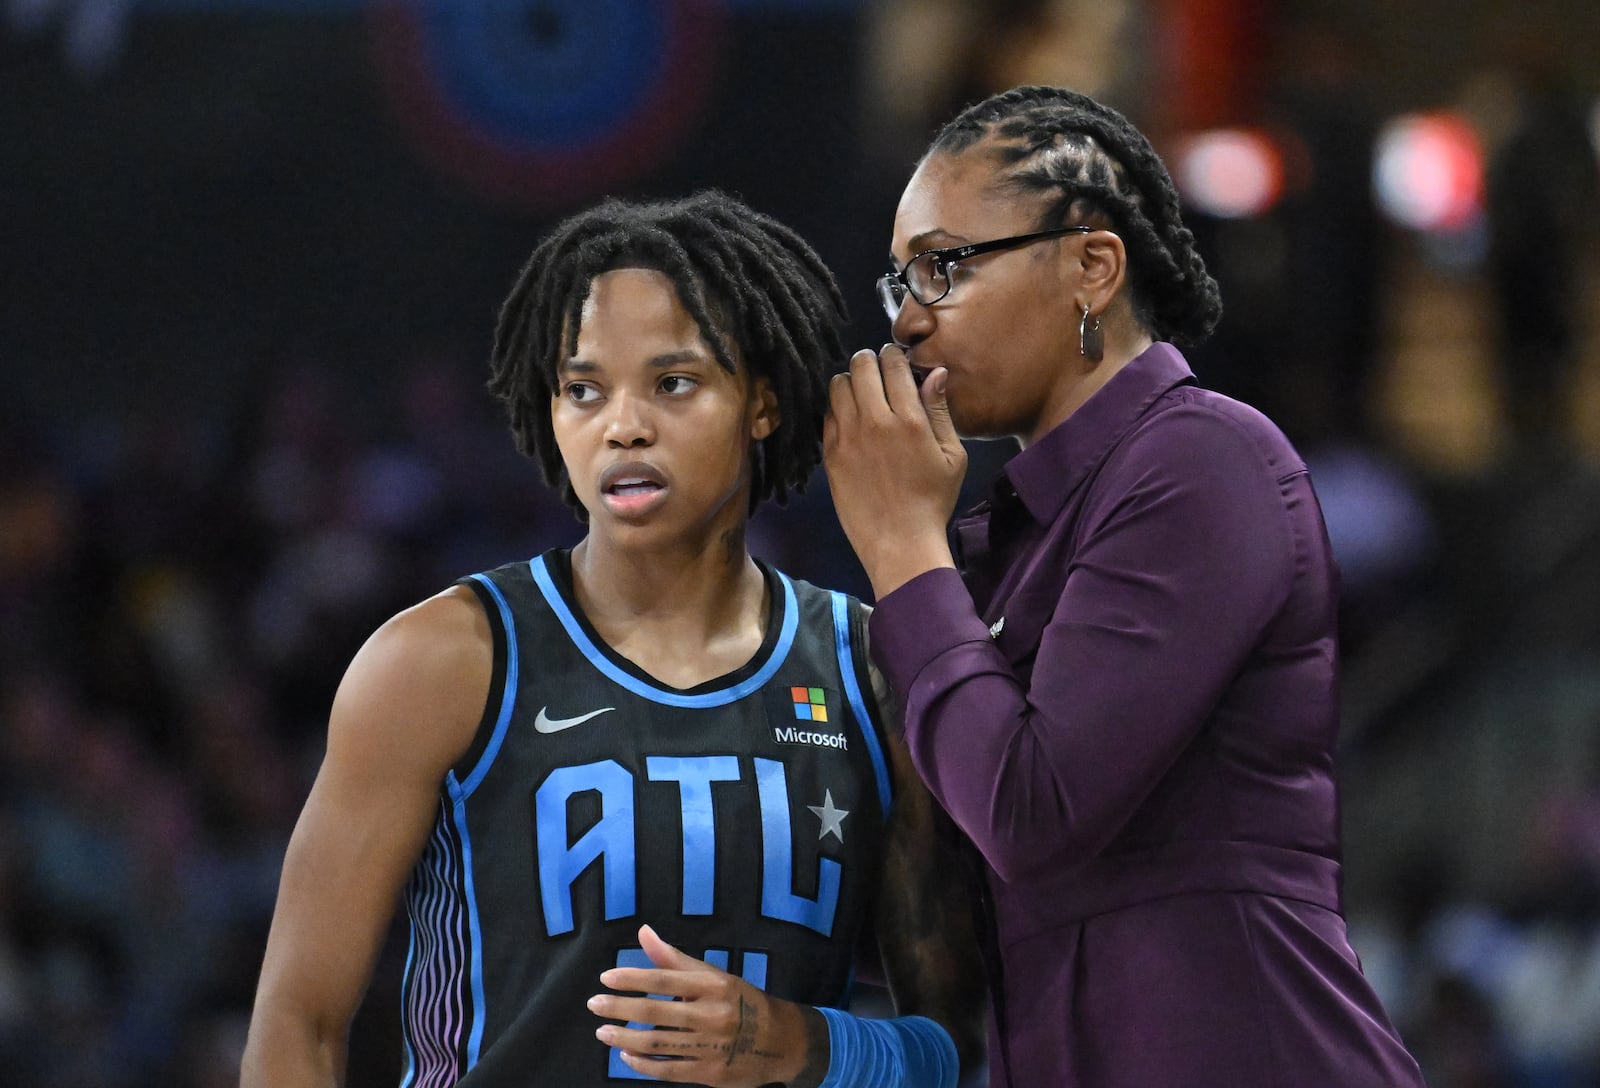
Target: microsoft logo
(810,704)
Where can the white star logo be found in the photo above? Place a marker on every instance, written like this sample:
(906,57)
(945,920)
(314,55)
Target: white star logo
(832,818)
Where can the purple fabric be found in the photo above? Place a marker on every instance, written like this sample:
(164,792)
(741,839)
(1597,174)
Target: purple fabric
(1142,750)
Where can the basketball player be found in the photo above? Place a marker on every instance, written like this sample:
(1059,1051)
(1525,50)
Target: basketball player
(648,768)
(1130,703)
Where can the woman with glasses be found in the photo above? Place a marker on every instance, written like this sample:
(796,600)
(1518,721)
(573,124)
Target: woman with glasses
(1127,696)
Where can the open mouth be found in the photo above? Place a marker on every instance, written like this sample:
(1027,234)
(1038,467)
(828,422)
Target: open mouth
(632,488)
(629,487)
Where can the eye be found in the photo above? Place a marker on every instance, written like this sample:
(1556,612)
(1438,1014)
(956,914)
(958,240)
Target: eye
(579,392)
(678,384)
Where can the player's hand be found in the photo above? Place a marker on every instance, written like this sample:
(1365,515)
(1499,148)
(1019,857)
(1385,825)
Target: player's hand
(895,466)
(721,1031)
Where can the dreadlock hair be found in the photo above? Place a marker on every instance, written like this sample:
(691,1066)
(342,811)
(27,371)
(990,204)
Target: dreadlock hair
(743,276)
(1052,140)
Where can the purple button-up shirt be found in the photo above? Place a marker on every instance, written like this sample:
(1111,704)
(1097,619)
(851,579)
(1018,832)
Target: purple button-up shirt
(1130,708)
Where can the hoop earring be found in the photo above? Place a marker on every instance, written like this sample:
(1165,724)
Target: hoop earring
(1091,338)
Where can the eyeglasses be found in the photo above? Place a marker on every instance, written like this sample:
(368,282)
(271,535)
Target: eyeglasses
(926,277)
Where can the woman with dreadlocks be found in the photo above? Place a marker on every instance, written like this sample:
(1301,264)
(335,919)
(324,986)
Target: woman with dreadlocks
(1128,703)
(648,767)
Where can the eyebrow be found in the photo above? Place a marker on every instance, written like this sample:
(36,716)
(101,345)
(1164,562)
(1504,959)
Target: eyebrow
(933,239)
(660,362)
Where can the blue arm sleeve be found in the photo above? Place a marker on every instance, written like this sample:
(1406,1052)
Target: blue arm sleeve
(906,1052)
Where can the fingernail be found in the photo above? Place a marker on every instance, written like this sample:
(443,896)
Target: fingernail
(596,1003)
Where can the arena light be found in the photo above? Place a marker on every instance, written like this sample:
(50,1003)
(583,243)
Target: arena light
(1230,173)
(1428,172)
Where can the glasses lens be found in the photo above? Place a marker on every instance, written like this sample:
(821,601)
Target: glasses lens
(927,279)
(892,293)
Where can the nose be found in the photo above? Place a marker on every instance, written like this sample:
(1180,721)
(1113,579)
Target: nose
(628,422)
(912,324)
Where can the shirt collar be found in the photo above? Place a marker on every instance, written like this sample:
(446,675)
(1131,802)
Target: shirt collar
(1048,471)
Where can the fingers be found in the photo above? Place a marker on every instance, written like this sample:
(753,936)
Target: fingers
(866,383)
(644,1010)
(675,974)
(878,383)
(660,1067)
(841,401)
(899,386)
(663,954)
(666,982)
(937,407)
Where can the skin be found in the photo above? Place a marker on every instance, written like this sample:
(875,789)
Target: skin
(644,389)
(665,579)
(1000,352)
(404,713)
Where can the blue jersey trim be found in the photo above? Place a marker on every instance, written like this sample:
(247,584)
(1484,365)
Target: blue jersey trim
(474,923)
(410,1075)
(847,669)
(461,790)
(575,631)
(508,697)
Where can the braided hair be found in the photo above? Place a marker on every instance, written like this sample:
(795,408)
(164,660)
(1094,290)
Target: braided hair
(1052,140)
(743,276)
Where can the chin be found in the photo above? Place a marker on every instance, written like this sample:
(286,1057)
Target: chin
(971,424)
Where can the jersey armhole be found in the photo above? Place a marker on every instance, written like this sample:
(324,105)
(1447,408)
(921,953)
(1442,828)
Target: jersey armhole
(873,724)
(493,703)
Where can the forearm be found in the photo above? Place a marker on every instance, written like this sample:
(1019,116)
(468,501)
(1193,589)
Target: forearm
(990,759)
(970,729)
(906,1052)
(285,1050)
(1043,773)
(845,1051)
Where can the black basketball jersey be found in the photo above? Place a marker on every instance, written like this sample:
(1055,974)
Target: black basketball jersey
(742,819)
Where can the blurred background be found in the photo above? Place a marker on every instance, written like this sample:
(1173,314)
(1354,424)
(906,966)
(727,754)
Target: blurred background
(251,253)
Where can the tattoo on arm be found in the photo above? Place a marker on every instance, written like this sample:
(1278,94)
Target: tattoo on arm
(925,923)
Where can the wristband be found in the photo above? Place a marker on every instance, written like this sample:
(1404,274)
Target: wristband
(906,1052)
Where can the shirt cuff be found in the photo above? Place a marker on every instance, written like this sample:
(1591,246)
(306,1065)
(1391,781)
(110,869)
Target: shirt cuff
(920,620)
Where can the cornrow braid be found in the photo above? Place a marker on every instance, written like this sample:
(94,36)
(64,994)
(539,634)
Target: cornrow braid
(744,277)
(1052,140)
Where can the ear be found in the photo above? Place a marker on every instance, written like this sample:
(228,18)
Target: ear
(1104,270)
(764,415)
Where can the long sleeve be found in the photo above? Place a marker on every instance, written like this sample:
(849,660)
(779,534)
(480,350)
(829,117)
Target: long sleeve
(1170,565)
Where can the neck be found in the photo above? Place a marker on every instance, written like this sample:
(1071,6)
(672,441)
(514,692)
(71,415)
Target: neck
(1091,377)
(699,594)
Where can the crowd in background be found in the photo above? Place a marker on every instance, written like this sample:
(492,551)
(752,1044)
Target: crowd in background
(179,602)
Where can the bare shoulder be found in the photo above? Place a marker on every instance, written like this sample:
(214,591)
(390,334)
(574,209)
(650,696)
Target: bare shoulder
(406,711)
(419,683)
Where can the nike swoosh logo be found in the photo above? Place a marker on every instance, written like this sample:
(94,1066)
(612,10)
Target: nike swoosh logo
(544,723)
